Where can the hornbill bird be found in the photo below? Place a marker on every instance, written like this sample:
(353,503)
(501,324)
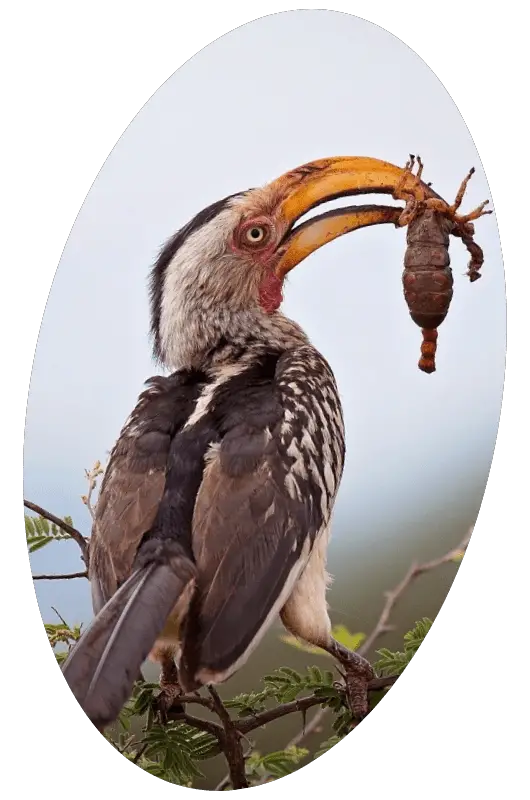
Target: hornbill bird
(214,511)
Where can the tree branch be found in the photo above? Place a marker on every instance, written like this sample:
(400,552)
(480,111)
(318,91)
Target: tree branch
(194,697)
(303,704)
(415,570)
(231,743)
(381,627)
(201,724)
(71,531)
(60,577)
(263,717)
(230,732)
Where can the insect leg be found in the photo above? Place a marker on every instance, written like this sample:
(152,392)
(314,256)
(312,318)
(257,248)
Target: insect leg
(414,203)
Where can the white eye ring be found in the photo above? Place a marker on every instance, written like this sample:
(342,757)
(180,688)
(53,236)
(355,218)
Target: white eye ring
(256,234)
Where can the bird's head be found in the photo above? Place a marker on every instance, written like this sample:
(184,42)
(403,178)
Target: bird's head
(221,276)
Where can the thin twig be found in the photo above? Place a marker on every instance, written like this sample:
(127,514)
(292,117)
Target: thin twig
(250,723)
(139,753)
(391,598)
(92,476)
(60,577)
(194,697)
(66,625)
(230,732)
(263,717)
(71,531)
(382,626)
(202,724)
(223,784)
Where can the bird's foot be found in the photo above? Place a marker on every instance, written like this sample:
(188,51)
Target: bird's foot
(167,701)
(357,673)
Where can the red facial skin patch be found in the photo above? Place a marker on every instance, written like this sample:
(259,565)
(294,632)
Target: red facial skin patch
(270,293)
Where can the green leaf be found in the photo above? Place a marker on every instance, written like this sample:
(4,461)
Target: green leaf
(350,640)
(61,657)
(339,632)
(328,678)
(39,532)
(326,692)
(315,676)
(277,764)
(173,747)
(124,720)
(343,722)
(292,674)
(327,745)
(415,637)
(30,528)
(291,694)
(390,663)
(36,542)
(142,699)
(247,704)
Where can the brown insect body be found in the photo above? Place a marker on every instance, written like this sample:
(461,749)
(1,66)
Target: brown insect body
(428,278)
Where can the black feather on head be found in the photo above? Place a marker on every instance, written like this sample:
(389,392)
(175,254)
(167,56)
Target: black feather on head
(167,254)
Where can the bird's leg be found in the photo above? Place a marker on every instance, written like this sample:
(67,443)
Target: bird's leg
(357,673)
(169,683)
(305,615)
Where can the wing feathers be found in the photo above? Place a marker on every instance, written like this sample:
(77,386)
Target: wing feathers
(261,505)
(104,665)
(249,552)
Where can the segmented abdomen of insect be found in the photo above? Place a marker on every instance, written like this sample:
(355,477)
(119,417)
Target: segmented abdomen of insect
(428,278)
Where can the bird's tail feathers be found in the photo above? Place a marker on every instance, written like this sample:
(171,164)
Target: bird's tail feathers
(105,663)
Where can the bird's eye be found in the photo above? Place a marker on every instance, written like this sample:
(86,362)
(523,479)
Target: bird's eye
(256,234)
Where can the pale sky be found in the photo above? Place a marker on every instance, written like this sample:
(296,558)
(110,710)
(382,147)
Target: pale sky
(261,100)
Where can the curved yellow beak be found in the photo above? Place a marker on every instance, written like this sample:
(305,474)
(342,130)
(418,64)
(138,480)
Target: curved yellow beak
(317,182)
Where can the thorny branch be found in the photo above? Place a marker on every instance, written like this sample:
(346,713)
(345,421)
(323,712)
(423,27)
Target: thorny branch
(201,724)
(391,598)
(230,732)
(256,721)
(381,627)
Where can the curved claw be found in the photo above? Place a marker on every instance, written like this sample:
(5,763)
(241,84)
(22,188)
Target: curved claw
(167,701)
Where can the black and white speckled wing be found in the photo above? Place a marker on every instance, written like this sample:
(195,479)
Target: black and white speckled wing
(267,493)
